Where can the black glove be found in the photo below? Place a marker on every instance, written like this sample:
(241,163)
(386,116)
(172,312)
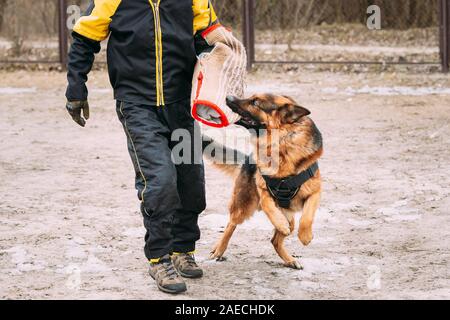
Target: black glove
(75,107)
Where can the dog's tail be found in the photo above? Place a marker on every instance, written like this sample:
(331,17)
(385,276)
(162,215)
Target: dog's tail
(227,160)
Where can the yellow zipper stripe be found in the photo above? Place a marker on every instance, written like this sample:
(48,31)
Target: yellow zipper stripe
(156,48)
(158,52)
(160,59)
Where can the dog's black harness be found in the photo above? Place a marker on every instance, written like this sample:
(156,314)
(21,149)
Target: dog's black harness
(283,190)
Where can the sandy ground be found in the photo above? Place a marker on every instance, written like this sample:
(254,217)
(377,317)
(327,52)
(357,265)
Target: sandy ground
(70,226)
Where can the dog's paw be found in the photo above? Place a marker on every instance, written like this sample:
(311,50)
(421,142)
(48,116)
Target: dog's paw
(217,254)
(294,265)
(305,235)
(284,228)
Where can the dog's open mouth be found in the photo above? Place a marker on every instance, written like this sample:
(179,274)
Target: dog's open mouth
(246,120)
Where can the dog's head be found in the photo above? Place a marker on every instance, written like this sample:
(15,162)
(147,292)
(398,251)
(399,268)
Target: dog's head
(266,111)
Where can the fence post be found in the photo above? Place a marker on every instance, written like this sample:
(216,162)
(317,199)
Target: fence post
(248,26)
(63,33)
(444,34)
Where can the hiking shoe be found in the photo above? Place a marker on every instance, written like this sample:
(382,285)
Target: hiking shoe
(186,266)
(166,277)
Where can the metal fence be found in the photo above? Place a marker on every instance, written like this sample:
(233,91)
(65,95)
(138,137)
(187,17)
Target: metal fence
(413,32)
(337,32)
(444,34)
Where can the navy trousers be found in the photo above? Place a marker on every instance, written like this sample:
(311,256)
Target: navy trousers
(172,195)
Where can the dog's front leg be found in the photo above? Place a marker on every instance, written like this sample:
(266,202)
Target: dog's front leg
(305,233)
(278,244)
(279,221)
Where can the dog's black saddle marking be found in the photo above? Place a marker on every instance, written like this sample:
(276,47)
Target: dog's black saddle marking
(283,190)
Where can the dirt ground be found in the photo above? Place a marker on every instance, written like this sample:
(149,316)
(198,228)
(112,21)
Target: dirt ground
(70,226)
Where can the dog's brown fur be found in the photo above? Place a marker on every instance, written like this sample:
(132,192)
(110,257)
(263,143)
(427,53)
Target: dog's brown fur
(300,146)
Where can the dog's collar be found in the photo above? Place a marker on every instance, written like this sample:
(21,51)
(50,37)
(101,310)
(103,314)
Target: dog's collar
(283,190)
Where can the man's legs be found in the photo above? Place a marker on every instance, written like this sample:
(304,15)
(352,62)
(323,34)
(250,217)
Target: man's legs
(156,176)
(185,229)
(172,196)
(190,178)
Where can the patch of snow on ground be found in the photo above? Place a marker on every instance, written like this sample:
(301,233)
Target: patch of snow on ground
(271,88)
(312,266)
(137,232)
(94,265)
(74,251)
(23,260)
(359,223)
(268,48)
(10,90)
(398,212)
(389,91)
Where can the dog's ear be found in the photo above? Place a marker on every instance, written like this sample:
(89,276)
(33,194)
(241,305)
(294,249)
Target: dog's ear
(291,113)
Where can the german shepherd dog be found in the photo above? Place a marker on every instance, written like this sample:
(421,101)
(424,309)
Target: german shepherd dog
(300,146)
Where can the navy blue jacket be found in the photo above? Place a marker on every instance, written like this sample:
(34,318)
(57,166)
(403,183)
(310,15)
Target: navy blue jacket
(151,48)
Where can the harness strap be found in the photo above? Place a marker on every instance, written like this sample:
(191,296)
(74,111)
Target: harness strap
(283,190)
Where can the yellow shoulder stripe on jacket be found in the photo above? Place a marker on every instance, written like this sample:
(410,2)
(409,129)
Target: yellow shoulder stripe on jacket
(204,14)
(96,25)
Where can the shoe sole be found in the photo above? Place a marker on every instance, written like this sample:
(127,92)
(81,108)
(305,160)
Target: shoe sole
(165,289)
(185,275)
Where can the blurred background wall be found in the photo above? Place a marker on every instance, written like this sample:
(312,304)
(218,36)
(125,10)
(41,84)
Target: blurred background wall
(24,17)
(29,29)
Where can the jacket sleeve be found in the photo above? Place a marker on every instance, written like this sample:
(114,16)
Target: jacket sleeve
(81,58)
(88,32)
(204,18)
(95,24)
(204,15)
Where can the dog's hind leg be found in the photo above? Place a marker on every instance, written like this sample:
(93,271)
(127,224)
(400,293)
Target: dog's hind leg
(236,217)
(278,243)
(222,245)
(305,233)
